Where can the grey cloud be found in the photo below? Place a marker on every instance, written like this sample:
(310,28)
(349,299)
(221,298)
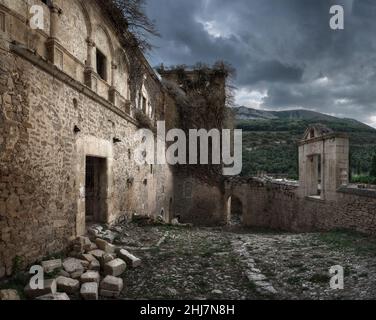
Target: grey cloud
(279,46)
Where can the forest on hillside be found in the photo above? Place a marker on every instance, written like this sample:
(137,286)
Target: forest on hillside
(270,146)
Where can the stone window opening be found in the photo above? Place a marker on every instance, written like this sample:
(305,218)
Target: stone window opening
(47,2)
(144,105)
(75,103)
(312,133)
(101,65)
(139,100)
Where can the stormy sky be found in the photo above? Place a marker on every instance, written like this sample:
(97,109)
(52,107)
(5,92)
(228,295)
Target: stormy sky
(285,52)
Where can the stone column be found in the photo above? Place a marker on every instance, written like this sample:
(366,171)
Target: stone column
(112,93)
(55,12)
(90,54)
(113,68)
(54,54)
(90,78)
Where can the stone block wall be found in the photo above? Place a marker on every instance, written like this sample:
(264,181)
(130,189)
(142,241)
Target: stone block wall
(42,157)
(198,202)
(39,186)
(278,206)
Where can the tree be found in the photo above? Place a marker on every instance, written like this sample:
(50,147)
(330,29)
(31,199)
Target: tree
(373,166)
(130,15)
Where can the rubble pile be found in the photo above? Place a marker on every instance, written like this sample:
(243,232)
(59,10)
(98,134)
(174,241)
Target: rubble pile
(93,269)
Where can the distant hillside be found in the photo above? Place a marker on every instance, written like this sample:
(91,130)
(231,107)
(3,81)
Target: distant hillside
(270,139)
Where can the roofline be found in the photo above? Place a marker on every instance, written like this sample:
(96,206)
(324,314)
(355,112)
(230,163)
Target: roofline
(324,137)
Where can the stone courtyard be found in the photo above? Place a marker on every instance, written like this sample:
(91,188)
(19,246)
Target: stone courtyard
(204,263)
(185,262)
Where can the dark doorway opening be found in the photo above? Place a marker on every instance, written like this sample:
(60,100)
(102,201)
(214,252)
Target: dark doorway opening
(96,190)
(314,174)
(235,211)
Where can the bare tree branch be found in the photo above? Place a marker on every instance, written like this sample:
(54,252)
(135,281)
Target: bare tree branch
(138,23)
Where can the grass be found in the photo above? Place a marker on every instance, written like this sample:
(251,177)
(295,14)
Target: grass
(294,280)
(342,240)
(17,282)
(320,278)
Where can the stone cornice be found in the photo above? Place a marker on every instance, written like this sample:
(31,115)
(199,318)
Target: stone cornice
(62,76)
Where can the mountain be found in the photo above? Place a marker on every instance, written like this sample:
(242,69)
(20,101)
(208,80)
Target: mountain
(270,139)
(244,113)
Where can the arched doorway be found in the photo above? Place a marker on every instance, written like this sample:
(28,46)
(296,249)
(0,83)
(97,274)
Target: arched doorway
(234,211)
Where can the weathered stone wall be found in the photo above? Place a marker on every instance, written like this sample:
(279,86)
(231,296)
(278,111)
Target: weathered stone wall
(198,202)
(278,206)
(39,154)
(42,158)
(72,21)
(334,162)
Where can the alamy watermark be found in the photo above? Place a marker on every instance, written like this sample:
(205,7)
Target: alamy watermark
(37,17)
(337,279)
(337,21)
(225,147)
(37,280)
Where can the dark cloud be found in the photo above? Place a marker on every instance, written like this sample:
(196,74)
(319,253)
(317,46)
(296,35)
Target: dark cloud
(284,51)
(274,71)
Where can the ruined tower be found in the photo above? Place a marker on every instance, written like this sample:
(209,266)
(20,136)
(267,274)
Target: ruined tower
(323,162)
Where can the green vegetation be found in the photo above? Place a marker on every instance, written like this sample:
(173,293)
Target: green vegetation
(320,278)
(363,179)
(349,240)
(271,146)
(373,167)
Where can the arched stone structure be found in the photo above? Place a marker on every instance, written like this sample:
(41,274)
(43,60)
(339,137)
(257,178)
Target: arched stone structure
(122,73)
(237,196)
(234,210)
(74,19)
(323,162)
(102,40)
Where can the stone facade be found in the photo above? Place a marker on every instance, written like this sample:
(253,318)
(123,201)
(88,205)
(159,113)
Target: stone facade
(198,202)
(56,111)
(278,206)
(323,162)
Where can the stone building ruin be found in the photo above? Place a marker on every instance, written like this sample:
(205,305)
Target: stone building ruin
(322,200)
(323,162)
(73,94)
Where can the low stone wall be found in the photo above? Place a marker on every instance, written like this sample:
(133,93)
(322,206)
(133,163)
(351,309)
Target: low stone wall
(279,206)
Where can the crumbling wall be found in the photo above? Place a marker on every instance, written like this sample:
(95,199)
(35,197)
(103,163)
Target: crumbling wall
(198,202)
(279,206)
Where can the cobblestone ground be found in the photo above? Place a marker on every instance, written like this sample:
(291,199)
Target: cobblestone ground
(194,263)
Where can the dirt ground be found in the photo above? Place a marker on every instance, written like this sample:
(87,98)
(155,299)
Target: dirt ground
(207,263)
(242,264)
